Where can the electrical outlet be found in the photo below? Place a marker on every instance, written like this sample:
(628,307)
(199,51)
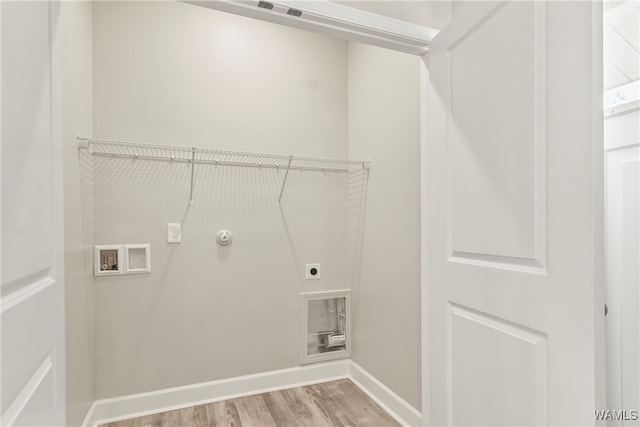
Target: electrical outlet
(174,232)
(312,271)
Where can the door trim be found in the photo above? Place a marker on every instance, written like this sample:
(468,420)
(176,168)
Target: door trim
(334,20)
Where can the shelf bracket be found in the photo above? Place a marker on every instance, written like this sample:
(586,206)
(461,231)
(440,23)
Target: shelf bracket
(83,144)
(284,181)
(193,165)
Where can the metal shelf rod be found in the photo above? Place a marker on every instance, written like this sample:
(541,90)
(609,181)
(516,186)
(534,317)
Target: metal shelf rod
(171,151)
(220,162)
(193,167)
(284,181)
(194,155)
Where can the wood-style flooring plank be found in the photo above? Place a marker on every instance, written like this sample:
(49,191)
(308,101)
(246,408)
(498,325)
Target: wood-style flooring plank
(332,404)
(331,397)
(282,413)
(222,414)
(254,412)
(366,415)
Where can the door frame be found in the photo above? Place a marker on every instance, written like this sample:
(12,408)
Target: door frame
(334,20)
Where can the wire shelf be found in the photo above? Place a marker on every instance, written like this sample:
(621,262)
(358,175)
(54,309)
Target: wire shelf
(136,150)
(194,155)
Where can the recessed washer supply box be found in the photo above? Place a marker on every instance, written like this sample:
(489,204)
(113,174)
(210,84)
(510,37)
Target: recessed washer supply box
(326,325)
(112,260)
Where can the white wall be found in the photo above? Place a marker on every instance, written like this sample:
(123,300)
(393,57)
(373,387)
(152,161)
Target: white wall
(172,73)
(205,75)
(384,125)
(75,42)
(385,268)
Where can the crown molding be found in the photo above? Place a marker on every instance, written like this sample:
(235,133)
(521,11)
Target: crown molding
(335,20)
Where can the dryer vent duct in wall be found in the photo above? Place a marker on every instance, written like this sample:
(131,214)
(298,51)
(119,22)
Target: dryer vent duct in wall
(288,10)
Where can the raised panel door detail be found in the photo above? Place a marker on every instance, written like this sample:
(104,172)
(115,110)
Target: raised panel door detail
(514,242)
(26,341)
(497,140)
(27,184)
(497,371)
(33,405)
(32,307)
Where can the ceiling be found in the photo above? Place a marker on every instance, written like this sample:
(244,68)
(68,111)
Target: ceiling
(621,36)
(621,32)
(433,14)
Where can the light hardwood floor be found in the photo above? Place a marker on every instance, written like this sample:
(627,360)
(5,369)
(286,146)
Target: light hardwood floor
(334,403)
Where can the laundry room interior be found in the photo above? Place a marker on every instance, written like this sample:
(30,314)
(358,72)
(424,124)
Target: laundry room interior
(177,75)
(429,207)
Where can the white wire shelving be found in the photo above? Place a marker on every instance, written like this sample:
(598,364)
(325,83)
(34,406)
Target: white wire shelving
(206,156)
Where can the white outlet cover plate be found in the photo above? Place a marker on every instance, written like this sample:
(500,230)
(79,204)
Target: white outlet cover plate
(308,269)
(174,232)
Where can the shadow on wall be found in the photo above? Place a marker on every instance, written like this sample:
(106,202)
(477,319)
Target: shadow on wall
(357,200)
(86,166)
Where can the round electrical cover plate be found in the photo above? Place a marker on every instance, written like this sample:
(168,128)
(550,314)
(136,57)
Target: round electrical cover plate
(224,238)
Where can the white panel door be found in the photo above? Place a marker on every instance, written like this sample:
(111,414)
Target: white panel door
(514,213)
(32,304)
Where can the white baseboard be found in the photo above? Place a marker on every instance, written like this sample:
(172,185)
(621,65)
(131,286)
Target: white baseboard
(397,407)
(137,405)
